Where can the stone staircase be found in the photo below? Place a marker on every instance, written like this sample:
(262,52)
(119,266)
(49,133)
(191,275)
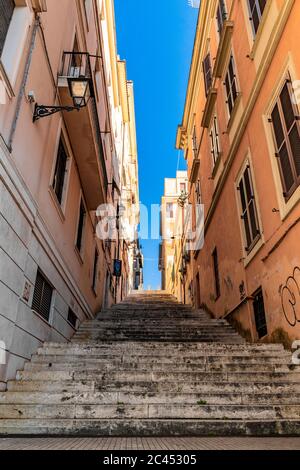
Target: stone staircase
(151,366)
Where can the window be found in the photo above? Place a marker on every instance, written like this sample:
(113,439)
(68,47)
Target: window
(88,7)
(214,140)
(260,314)
(6,11)
(58,183)
(195,149)
(198,192)
(231,85)
(182,187)
(221,15)
(42,296)
(248,209)
(216,273)
(286,132)
(207,71)
(72,318)
(81,221)
(256,8)
(170,210)
(95,270)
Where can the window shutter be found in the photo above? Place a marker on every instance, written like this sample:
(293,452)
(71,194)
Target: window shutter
(282,150)
(42,296)
(60,171)
(80,226)
(207,73)
(6,12)
(216,273)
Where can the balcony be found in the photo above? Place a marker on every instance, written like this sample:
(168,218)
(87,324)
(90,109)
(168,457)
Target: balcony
(194,170)
(209,107)
(83,127)
(224,45)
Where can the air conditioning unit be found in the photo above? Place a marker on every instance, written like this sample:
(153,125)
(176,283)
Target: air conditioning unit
(39,6)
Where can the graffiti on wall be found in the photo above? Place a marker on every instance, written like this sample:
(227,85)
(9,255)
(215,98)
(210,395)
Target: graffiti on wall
(290,298)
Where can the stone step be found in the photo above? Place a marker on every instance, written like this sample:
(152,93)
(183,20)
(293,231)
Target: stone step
(159,339)
(151,427)
(121,397)
(252,348)
(160,367)
(138,350)
(82,386)
(136,376)
(116,358)
(151,411)
(128,324)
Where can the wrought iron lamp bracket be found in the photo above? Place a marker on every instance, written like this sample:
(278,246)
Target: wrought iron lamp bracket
(41,111)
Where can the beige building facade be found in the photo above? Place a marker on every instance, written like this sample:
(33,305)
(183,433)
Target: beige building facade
(240,135)
(57,166)
(171,257)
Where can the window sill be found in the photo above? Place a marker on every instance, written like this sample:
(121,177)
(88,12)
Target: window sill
(79,255)
(216,166)
(234,112)
(257,37)
(209,107)
(56,204)
(72,326)
(224,45)
(256,247)
(47,322)
(6,81)
(289,203)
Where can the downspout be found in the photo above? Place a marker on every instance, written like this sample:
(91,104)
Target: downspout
(36,25)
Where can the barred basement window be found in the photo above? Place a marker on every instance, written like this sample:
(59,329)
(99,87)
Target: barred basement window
(260,314)
(248,210)
(256,8)
(216,273)
(60,171)
(221,15)
(214,140)
(42,296)
(95,270)
(81,221)
(6,12)
(207,71)
(285,123)
(231,87)
(72,318)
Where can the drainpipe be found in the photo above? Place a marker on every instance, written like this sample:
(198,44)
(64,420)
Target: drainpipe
(36,25)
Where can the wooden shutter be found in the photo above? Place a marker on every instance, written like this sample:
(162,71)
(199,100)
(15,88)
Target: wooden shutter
(285,125)
(60,171)
(80,226)
(256,8)
(6,12)
(221,15)
(42,296)
(207,73)
(291,122)
(249,209)
(216,273)
(95,269)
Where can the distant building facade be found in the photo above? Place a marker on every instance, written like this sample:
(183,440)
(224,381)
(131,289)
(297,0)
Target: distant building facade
(171,257)
(240,136)
(56,172)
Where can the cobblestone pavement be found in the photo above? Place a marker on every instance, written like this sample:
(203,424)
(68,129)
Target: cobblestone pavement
(209,443)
